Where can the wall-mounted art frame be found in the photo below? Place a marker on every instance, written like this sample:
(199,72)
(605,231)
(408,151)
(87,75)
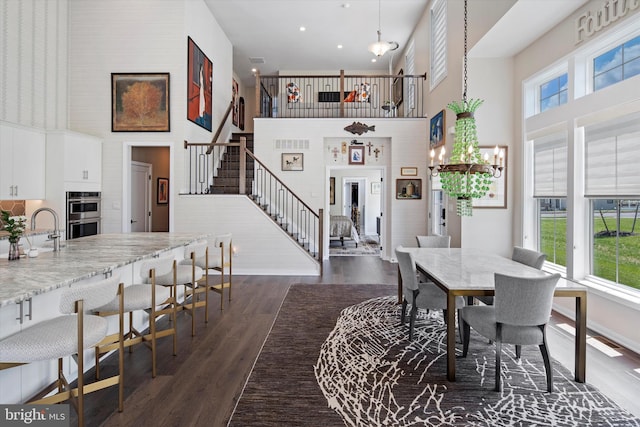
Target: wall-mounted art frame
(436,130)
(409,189)
(398,88)
(199,86)
(140,102)
(235,119)
(356,155)
(332,190)
(162,197)
(292,162)
(404,171)
(375,187)
(496,197)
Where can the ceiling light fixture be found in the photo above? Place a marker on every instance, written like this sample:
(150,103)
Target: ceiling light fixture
(379,48)
(466,176)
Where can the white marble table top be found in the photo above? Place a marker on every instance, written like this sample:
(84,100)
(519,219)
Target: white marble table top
(80,259)
(473,269)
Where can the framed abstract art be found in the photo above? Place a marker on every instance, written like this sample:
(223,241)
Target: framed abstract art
(199,86)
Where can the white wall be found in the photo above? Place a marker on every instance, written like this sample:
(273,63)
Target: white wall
(141,37)
(403,219)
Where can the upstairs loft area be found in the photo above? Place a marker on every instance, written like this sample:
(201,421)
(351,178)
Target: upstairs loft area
(350,96)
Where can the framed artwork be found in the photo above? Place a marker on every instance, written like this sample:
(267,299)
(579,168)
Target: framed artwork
(140,102)
(398,89)
(163,191)
(236,105)
(496,197)
(241,113)
(375,187)
(332,190)
(292,161)
(409,171)
(436,130)
(199,86)
(409,189)
(356,155)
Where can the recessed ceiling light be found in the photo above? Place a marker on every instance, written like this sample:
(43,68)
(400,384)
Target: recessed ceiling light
(339,46)
(303,29)
(373,60)
(346,5)
(253,70)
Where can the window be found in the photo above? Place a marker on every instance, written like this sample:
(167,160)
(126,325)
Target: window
(550,188)
(612,155)
(554,92)
(620,63)
(409,63)
(438,42)
(616,243)
(552,226)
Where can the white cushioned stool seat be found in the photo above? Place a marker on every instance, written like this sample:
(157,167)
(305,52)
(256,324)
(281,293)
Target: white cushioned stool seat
(52,339)
(138,297)
(183,275)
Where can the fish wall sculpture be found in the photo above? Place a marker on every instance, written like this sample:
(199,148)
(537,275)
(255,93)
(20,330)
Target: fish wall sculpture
(359,128)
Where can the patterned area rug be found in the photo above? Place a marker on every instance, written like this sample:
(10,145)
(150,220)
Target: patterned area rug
(368,245)
(337,356)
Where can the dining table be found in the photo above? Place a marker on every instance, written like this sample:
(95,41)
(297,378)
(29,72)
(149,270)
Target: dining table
(469,272)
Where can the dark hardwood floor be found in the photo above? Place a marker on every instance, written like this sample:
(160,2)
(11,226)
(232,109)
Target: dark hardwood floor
(200,386)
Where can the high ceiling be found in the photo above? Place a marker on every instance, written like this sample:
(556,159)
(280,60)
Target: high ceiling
(270,29)
(266,35)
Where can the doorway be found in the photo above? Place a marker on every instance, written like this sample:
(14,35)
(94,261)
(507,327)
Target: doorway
(438,213)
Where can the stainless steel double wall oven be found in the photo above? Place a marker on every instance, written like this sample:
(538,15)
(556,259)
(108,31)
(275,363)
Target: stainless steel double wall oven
(83,213)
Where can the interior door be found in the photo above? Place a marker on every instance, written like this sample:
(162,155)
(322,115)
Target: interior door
(140,196)
(438,213)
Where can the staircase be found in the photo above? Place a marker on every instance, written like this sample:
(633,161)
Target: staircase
(227,179)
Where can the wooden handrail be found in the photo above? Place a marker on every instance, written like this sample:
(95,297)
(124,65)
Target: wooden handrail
(220,126)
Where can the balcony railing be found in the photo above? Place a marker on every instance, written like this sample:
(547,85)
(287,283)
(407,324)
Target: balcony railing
(351,96)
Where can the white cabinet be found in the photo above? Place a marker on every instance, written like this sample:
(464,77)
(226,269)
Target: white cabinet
(22,163)
(77,158)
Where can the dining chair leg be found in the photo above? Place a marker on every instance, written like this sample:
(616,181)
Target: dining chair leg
(466,336)
(518,351)
(547,360)
(404,311)
(498,385)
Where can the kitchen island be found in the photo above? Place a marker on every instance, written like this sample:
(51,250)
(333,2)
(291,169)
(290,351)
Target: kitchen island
(81,259)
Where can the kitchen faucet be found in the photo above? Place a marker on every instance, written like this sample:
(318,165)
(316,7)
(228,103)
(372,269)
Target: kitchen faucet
(56,231)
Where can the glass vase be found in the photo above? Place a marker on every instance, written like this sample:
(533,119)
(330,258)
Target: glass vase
(14,251)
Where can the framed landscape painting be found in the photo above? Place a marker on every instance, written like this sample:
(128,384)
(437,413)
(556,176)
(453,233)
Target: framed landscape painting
(436,130)
(140,102)
(199,86)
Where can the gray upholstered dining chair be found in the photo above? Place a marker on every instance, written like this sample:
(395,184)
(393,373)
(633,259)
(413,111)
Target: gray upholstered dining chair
(433,241)
(418,293)
(524,256)
(519,316)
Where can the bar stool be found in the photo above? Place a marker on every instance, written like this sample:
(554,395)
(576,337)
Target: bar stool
(187,274)
(156,300)
(218,259)
(68,335)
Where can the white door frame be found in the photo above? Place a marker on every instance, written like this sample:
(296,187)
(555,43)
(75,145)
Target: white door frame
(126,180)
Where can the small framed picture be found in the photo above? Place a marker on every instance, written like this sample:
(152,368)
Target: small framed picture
(375,188)
(356,155)
(163,191)
(409,189)
(409,171)
(292,162)
(436,130)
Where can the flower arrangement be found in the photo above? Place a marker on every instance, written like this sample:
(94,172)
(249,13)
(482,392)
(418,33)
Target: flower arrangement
(14,225)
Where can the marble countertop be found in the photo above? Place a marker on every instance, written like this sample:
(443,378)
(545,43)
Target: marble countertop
(81,259)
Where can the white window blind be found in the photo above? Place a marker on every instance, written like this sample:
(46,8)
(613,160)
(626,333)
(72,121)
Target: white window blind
(410,70)
(438,42)
(612,158)
(550,166)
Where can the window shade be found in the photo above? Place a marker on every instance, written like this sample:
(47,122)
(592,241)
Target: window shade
(550,166)
(612,158)
(438,42)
